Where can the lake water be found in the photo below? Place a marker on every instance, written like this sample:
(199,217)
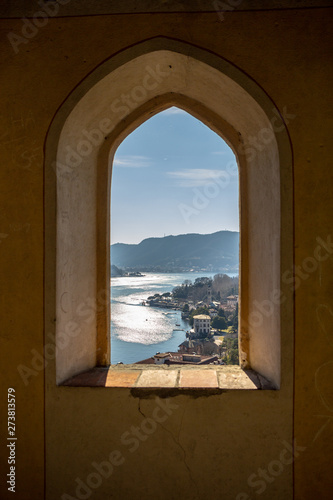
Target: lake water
(137,331)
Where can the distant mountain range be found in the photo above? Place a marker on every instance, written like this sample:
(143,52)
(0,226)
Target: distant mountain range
(217,252)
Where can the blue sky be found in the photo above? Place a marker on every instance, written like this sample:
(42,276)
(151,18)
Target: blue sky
(173,175)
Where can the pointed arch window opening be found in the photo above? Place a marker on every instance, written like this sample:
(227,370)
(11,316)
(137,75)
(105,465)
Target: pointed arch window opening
(76,207)
(193,177)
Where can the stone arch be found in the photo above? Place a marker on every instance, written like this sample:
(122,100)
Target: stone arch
(112,101)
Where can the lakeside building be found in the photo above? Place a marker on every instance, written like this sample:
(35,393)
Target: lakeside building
(204,347)
(201,324)
(212,313)
(177,358)
(209,296)
(161,358)
(232,300)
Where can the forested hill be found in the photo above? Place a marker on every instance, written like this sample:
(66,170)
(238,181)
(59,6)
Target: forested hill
(218,251)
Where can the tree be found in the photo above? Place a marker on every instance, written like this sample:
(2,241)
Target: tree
(186,308)
(234,320)
(180,292)
(202,281)
(219,323)
(225,285)
(221,313)
(232,357)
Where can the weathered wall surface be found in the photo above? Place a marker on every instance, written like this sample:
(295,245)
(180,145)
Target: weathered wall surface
(206,447)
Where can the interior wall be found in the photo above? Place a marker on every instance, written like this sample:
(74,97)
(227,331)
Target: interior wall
(212,444)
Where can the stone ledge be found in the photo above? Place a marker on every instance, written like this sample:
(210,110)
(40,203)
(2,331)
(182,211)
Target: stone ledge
(147,378)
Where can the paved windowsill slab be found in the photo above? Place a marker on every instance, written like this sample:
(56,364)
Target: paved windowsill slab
(201,379)
(152,377)
(158,378)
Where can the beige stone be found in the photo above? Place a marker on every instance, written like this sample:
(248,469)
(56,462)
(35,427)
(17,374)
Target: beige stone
(158,378)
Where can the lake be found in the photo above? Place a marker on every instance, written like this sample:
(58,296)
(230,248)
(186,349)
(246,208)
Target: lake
(137,331)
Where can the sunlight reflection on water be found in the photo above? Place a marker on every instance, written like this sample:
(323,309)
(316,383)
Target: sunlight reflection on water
(137,331)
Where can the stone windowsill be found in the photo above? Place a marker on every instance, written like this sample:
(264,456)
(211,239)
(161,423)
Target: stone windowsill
(138,378)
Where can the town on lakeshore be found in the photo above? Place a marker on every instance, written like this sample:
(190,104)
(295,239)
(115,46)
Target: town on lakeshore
(210,306)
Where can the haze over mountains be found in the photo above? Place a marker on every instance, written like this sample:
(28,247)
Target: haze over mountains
(215,252)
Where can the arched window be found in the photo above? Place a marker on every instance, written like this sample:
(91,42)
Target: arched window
(173,179)
(105,108)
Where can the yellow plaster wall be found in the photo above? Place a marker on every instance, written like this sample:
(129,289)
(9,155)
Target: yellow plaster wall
(208,444)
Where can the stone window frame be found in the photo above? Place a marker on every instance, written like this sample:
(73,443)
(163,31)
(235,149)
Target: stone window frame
(77,271)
